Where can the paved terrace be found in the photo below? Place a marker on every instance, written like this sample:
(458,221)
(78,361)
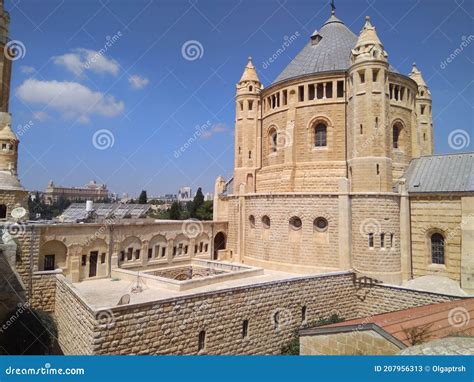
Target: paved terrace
(106,293)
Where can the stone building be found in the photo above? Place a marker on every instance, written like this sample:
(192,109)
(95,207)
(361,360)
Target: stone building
(327,158)
(334,181)
(12,193)
(90,191)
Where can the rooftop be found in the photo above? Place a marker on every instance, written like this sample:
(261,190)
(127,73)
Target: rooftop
(328,49)
(439,320)
(441,173)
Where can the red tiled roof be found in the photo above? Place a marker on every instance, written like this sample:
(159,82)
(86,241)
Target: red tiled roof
(438,320)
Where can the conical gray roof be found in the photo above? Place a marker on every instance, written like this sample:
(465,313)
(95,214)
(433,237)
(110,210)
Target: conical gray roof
(331,52)
(329,49)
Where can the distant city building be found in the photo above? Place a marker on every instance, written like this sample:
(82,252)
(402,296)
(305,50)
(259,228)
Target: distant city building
(208,196)
(185,194)
(90,191)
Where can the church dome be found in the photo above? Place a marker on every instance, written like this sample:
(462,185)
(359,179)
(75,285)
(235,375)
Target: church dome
(329,49)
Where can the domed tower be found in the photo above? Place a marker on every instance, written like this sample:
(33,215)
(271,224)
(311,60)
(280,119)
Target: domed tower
(369,158)
(247,133)
(12,194)
(424,142)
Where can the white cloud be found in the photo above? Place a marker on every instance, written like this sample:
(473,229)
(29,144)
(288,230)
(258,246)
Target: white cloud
(25,69)
(72,99)
(41,116)
(138,82)
(215,129)
(81,59)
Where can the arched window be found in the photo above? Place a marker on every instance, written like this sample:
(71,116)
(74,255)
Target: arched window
(396,136)
(252,221)
(266,222)
(3,211)
(273,140)
(437,248)
(320,138)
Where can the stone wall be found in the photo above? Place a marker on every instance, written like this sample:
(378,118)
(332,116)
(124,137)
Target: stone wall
(436,215)
(44,291)
(172,326)
(376,214)
(283,247)
(386,298)
(75,321)
(367,342)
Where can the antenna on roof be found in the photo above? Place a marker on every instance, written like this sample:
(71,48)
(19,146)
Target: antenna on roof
(333,8)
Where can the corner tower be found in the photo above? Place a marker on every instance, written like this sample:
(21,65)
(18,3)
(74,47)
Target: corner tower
(369,160)
(12,194)
(423,141)
(247,133)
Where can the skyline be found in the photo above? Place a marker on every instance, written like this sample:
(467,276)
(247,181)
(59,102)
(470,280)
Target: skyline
(156,85)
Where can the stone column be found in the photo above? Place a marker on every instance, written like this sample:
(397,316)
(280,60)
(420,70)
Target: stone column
(169,251)
(345,262)
(144,250)
(75,254)
(405,232)
(467,240)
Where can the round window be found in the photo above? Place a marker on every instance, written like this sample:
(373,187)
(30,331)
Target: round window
(296,223)
(320,224)
(266,222)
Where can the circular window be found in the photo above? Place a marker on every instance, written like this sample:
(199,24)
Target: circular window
(252,221)
(266,222)
(320,224)
(296,223)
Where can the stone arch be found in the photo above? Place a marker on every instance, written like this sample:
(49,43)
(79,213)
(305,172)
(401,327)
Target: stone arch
(131,248)
(316,135)
(219,244)
(181,245)
(399,135)
(201,244)
(429,233)
(53,255)
(272,139)
(156,244)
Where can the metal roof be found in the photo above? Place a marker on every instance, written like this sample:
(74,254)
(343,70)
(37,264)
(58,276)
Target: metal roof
(441,173)
(77,211)
(329,49)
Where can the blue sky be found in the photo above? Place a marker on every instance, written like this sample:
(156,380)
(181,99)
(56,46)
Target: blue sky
(151,98)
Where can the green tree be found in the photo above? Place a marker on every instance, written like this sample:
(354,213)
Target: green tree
(175,211)
(197,203)
(143,199)
(205,211)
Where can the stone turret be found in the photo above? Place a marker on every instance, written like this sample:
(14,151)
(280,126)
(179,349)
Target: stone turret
(12,194)
(424,119)
(247,132)
(370,164)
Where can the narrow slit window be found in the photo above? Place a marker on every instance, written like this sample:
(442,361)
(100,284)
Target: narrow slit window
(371,240)
(382,240)
(202,340)
(245,329)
